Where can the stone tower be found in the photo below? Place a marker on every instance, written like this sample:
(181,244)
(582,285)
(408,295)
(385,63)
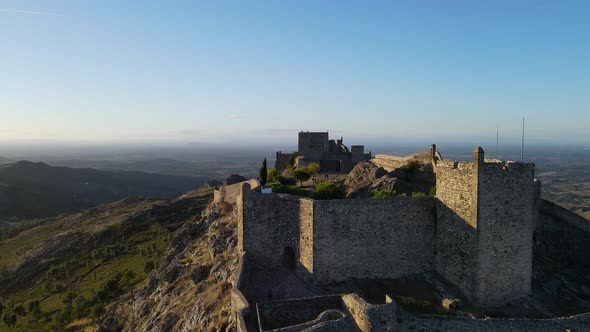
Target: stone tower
(485,227)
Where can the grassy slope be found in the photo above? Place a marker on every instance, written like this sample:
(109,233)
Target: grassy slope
(136,225)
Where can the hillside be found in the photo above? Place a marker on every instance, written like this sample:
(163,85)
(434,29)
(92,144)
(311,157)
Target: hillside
(190,291)
(66,270)
(36,190)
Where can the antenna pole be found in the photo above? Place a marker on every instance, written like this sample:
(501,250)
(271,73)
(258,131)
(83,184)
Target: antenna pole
(497,140)
(522,144)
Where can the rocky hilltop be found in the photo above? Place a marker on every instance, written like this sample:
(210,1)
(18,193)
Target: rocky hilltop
(403,175)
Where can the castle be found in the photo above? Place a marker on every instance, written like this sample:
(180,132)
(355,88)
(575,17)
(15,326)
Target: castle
(477,233)
(331,155)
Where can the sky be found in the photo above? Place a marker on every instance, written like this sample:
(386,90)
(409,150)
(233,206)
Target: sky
(251,71)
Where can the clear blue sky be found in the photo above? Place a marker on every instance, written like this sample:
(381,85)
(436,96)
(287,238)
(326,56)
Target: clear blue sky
(201,70)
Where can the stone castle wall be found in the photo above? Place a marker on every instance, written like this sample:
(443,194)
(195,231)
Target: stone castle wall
(486,218)
(506,223)
(340,239)
(373,238)
(282,159)
(229,194)
(271,223)
(456,237)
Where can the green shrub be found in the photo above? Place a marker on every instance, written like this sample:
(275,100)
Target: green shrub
(411,167)
(328,190)
(384,194)
(273,175)
(97,311)
(418,194)
(432,191)
(287,180)
(149,266)
(313,168)
(280,188)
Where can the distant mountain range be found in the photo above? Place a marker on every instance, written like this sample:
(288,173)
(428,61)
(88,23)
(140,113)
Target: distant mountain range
(214,169)
(33,190)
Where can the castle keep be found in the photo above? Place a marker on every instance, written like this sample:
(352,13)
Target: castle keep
(477,232)
(316,147)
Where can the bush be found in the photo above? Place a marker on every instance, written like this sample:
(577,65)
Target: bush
(149,266)
(97,311)
(381,193)
(285,189)
(288,181)
(313,168)
(432,191)
(80,306)
(411,167)
(273,175)
(418,194)
(34,308)
(301,175)
(328,190)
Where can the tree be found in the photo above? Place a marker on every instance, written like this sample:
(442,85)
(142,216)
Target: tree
(411,167)
(301,175)
(9,318)
(79,305)
(313,168)
(97,311)
(68,298)
(263,173)
(149,266)
(273,174)
(19,310)
(34,308)
(59,288)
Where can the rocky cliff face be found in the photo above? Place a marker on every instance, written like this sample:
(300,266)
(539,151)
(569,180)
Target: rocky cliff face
(190,291)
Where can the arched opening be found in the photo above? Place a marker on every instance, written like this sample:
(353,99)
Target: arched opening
(289,260)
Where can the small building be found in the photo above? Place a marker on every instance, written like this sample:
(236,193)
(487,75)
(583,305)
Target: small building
(332,155)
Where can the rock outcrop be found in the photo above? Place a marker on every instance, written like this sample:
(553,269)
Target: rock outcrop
(368,177)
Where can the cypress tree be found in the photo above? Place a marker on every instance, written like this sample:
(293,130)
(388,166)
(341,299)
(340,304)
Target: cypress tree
(263,173)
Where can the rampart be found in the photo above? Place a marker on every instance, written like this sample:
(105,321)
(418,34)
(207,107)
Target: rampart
(336,240)
(230,193)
